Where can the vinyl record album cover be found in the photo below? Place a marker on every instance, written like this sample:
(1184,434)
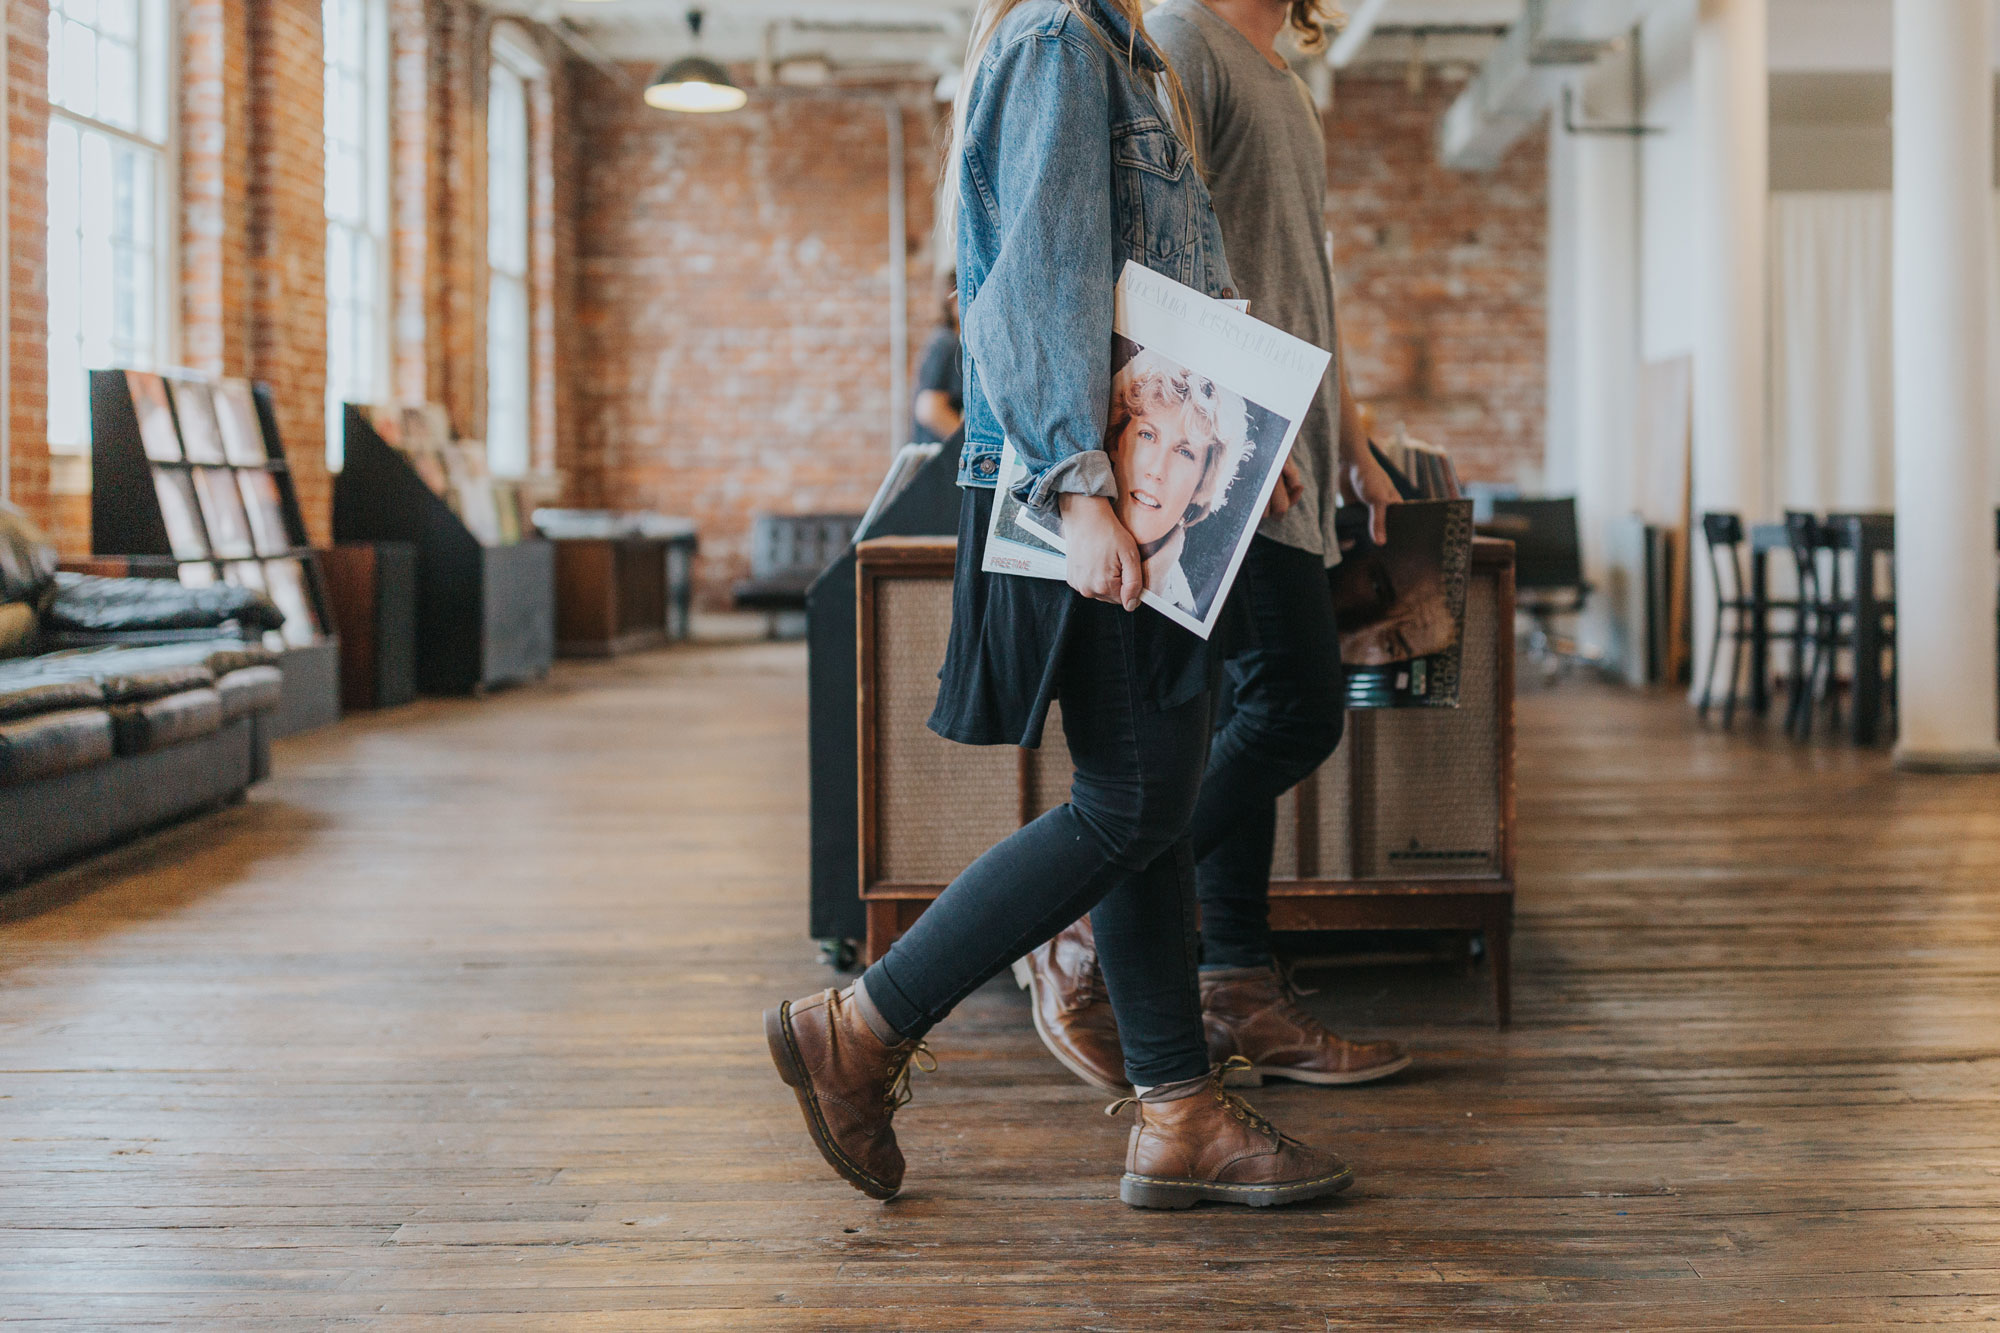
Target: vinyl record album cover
(197,576)
(236,414)
(244,574)
(181,511)
(222,511)
(266,510)
(285,580)
(1205,404)
(1401,606)
(157,435)
(200,436)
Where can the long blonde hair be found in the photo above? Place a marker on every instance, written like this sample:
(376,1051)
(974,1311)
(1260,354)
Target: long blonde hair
(986,20)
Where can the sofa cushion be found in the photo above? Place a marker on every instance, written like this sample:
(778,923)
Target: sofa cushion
(254,689)
(27,697)
(87,604)
(155,724)
(17,629)
(52,743)
(122,675)
(27,558)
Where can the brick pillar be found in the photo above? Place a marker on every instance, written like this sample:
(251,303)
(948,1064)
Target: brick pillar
(288,237)
(215,186)
(27,263)
(409,196)
(457,342)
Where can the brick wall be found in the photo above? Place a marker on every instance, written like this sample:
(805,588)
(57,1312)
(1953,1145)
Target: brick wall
(440,53)
(733,290)
(732,299)
(252,262)
(27,333)
(1442,277)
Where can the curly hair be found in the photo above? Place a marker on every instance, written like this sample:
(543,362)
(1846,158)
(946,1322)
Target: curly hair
(1215,419)
(1309,20)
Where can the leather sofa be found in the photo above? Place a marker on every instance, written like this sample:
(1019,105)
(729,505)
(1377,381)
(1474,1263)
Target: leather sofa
(124,703)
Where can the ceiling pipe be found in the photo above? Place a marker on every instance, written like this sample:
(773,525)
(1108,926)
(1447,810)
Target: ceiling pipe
(1514,89)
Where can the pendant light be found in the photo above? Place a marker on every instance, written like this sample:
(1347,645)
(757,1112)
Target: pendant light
(694,83)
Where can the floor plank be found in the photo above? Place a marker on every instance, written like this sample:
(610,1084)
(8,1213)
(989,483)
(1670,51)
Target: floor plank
(453,1025)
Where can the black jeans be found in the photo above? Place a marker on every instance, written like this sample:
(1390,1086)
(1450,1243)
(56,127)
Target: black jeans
(1118,850)
(1287,715)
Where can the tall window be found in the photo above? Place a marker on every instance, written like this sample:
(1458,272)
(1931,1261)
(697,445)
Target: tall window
(515,66)
(108,212)
(357,209)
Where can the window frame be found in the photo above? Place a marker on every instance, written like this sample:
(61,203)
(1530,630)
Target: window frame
(377,221)
(158,43)
(512,50)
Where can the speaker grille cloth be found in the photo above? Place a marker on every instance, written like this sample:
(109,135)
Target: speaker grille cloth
(1285,848)
(1429,808)
(1432,809)
(1336,808)
(940,804)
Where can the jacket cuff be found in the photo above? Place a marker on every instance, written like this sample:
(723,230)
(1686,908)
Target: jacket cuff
(1085,473)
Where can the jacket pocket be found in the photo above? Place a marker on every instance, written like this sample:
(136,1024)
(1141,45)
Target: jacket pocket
(1153,174)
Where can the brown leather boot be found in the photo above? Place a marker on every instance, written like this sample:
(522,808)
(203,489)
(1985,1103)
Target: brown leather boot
(1072,1009)
(1254,1013)
(1213,1145)
(849,1084)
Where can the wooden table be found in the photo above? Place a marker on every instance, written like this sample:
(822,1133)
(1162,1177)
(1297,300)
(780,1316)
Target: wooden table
(619,594)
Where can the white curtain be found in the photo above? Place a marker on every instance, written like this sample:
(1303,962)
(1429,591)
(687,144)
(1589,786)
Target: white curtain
(1833,423)
(1832,401)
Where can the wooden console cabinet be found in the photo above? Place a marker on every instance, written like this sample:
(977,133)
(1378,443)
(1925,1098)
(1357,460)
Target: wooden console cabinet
(1410,825)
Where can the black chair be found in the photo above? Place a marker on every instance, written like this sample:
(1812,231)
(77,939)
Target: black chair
(1826,620)
(1864,620)
(1735,609)
(1548,565)
(787,552)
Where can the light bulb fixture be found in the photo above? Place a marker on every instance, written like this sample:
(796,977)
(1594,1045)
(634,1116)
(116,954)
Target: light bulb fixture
(695,83)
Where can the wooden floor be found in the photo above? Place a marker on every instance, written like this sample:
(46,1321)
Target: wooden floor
(455,1025)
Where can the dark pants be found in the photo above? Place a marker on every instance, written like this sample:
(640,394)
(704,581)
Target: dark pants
(1118,850)
(1289,709)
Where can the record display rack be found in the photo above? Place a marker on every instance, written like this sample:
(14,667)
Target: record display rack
(189,480)
(486,614)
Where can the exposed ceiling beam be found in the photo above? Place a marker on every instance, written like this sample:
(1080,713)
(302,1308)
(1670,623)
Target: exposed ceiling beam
(1360,27)
(1515,87)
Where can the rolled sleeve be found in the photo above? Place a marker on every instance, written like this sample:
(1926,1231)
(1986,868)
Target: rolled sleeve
(1086,473)
(1039,328)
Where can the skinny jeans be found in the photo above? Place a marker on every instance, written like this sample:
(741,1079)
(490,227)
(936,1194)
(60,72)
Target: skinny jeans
(1282,719)
(1118,850)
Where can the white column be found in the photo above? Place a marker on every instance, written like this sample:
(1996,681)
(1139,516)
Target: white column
(1732,203)
(1593,370)
(1944,507)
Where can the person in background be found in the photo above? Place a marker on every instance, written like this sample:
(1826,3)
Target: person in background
(1258,137)
(1045,214)
(939,405)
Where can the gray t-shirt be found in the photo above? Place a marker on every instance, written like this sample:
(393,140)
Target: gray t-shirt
(1264,155)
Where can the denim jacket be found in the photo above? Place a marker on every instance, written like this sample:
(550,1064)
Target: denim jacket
(1069,168)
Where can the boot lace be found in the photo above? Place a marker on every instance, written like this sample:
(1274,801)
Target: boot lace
(1234,1104)
(1290,993)
(918,1054)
